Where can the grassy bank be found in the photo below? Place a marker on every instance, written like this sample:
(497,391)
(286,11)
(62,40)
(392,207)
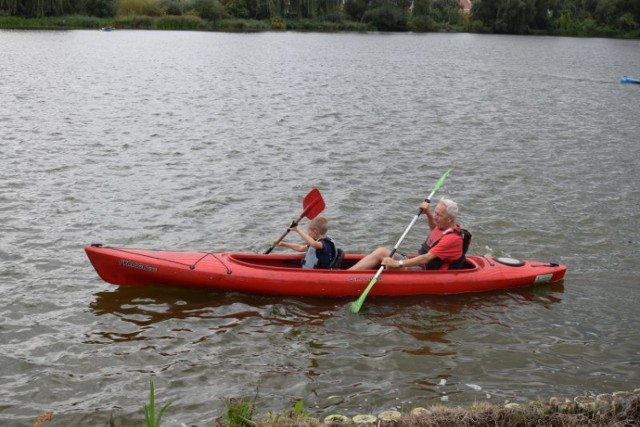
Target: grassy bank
(616,409)
(170,22)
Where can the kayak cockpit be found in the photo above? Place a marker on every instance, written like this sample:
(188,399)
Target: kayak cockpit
(289,261)
(294,261)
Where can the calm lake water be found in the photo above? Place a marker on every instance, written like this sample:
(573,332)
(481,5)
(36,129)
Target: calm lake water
(207,141)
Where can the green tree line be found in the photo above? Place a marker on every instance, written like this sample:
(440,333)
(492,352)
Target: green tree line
(570,17)
(561,17)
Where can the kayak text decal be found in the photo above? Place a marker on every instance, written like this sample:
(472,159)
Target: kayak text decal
(543,278)
(138,265)
(363,279)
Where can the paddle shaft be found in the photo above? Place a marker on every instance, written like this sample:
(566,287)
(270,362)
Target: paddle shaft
(293,224)
(358,303)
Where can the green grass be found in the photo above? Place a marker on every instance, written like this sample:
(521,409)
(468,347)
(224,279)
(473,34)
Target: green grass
(152,418)
(240,412)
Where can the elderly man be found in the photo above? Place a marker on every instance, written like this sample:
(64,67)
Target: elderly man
(442,250)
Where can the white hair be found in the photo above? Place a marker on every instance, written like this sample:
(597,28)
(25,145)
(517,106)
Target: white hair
(451,207)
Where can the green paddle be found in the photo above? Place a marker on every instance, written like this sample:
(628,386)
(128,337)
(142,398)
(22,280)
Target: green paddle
(312,205)
(357,305)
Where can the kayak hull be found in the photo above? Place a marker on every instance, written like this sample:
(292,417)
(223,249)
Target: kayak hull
(280,274)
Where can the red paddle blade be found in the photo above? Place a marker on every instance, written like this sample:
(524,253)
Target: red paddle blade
(313,204)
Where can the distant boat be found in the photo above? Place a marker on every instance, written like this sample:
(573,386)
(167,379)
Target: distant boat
(626,79)
(107,28)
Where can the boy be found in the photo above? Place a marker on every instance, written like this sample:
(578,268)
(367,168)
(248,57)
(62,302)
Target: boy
(320,249)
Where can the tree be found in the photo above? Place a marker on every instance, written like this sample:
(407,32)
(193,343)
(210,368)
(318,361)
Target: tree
(541,18)
(515,16)
(237,8)
(486,12)
(445,11)
(421,8)
(605,11)
(387,17)
(101,8)
(209,9)
(355,9)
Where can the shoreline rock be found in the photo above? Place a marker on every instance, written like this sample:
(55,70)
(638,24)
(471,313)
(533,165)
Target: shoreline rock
(619,408)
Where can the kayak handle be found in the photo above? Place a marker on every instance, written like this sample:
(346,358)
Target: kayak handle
(193,266)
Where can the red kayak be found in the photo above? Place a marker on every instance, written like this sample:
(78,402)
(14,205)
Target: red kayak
(282,274)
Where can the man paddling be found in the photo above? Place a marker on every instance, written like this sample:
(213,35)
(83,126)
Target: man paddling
(443,249)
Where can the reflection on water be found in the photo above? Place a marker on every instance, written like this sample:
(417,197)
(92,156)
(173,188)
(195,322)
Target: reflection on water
(146,306)
(431,318)
(161,303)
(154,303)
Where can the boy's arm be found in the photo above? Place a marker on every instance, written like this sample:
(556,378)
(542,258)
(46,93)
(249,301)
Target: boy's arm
(293,246)
(308,239)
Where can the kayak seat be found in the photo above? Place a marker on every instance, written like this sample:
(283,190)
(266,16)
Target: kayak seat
(461,262)
(466,265)
(336,264)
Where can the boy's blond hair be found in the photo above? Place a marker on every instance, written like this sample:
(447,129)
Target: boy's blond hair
(319,224)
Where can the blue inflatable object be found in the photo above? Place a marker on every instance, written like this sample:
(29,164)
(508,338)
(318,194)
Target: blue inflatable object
(626,79)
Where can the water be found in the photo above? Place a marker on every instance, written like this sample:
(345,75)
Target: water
(206,141)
